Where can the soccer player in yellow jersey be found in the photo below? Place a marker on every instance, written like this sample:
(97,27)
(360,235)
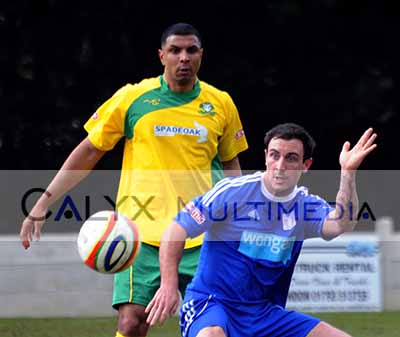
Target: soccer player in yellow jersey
(181,134)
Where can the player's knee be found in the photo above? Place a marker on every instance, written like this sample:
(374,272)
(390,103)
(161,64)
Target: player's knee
(211,331)
(131,322)
(128,325)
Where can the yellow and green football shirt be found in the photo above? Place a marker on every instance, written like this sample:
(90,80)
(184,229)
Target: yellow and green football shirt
(174,146)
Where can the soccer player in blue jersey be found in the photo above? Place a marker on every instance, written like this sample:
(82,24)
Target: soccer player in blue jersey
(254,229)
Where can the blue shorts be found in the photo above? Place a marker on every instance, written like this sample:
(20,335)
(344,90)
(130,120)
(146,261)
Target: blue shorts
(256,319)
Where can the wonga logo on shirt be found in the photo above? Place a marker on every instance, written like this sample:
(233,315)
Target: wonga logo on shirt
(266,246)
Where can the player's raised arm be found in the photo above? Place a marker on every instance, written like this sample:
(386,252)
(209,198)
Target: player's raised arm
(166,300)
(77,166)
(344,217)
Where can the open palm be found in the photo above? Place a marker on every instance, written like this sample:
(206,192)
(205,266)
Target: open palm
(351,159)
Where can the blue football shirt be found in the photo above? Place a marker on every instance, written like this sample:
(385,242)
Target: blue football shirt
(252,238)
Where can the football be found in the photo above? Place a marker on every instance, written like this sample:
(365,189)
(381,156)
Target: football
(108,242)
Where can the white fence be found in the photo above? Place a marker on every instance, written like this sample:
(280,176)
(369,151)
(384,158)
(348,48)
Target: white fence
(49,279)
(390,252)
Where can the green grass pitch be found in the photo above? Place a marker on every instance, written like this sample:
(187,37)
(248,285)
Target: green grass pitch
(383,324)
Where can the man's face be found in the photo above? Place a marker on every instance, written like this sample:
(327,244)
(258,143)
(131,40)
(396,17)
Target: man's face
(181,57)
(285,165)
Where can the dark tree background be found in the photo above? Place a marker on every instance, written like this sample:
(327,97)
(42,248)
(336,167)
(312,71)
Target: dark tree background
(329,65)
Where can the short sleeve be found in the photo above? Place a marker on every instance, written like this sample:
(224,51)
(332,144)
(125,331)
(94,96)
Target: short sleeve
(106,126)
(193,217)
(233,140)
(202,212)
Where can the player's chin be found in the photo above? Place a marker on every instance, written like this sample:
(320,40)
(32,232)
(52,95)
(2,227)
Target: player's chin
(184,79)
(281,190)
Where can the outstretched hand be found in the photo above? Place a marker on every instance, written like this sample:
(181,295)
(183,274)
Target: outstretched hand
(164,304)
(31,226)
(351,159)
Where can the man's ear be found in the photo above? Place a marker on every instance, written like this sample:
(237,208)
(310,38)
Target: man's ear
(307,164)
(161,56)
(265,157)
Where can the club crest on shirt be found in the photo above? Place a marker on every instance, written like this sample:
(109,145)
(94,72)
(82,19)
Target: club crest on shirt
(207,108)
(288,221)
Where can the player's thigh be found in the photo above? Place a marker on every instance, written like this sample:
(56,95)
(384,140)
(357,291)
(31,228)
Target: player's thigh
(323,329)
(212,331)
(274,321)
(138,283)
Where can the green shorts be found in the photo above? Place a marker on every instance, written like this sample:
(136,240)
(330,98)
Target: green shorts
(138,283)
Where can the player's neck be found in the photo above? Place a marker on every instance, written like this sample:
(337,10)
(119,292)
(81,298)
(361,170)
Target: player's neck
(180,87)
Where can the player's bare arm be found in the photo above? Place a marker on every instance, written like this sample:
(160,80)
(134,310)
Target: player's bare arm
(166,300)
(232,167)
(77,166)
(344,218)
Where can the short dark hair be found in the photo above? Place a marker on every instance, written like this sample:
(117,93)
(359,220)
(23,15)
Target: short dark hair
(180,28)
(290,131)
